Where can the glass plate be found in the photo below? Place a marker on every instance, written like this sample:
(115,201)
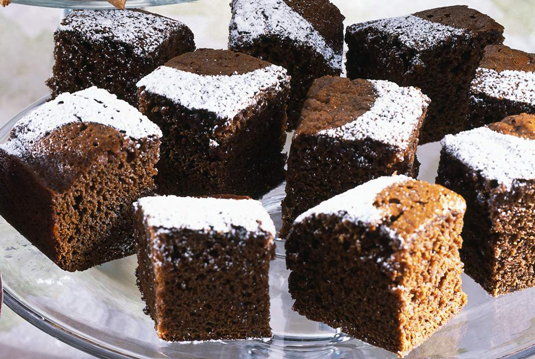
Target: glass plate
(100,310)
(96,4)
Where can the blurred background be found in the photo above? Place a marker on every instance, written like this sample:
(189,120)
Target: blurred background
(26,46)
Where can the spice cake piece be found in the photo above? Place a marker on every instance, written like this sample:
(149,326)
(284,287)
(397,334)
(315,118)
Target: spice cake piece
(436,50)
(70,172)
(350,133)
(380,261)
(504,85)
(113,49)
(223,116)
(203,266)
(304,36)
(493,168)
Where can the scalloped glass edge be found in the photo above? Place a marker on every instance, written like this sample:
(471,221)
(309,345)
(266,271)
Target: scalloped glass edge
(96,4)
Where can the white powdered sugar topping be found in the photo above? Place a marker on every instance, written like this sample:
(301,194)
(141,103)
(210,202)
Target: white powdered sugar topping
(205,214)
(226,96)
(412,31)
(518,86)
(255,18)
(500,157)
(393,119)
(144,31)
(92,105)
(356,205)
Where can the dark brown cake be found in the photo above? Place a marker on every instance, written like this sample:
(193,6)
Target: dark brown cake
(70,172)
(504,85)
(304,36)
(493,168)
(436,50)
(203,266)
(114,49)
(223,116)
(350,133)
(380,261)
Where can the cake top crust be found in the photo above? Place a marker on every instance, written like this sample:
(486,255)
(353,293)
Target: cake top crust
(461,17)
(412,31)
(501,57)
(502,152)
(322,14)
(200,81)
(357,204)
(141,30)
(432,28)
(92,105)
(522,126)
(212,62)
(398,206)
(226,215)
(408,207)
(359,109)
(516,86)
(505,73)
(252,19)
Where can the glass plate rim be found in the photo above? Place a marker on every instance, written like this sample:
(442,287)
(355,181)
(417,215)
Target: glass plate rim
(96,4)
(59,332)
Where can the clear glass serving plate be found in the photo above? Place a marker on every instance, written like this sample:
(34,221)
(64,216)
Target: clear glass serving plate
(95,4)
(100,310)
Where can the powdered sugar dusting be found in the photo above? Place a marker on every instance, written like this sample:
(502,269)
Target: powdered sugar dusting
(413,31)
(356,205)
(255,18)
(206,214)
(143,31)
(393,119)
(518,86)
(92,105)
(496,156)
(226,96)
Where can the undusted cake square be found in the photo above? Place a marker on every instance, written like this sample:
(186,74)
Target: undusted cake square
(306,37)
(223,115)
(493,168)
(114,49)
(69,174)
(504,86)
(351,132)
(380,261)
(203,266)
(437,50)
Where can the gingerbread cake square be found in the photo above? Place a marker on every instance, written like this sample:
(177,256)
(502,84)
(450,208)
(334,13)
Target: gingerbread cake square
(114,49)
(436,50)
(493,168)
(380,261)
(223,115)
(203,266)
(504,86)
(305,37)
(350,133)
(70,172)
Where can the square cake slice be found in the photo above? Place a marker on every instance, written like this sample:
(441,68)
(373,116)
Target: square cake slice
(380,261)
(493,168)
(305,37)
(437,50)
(203,266)
(504,86)
(350,133)
(70,172)
(114,49)
(223,116)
